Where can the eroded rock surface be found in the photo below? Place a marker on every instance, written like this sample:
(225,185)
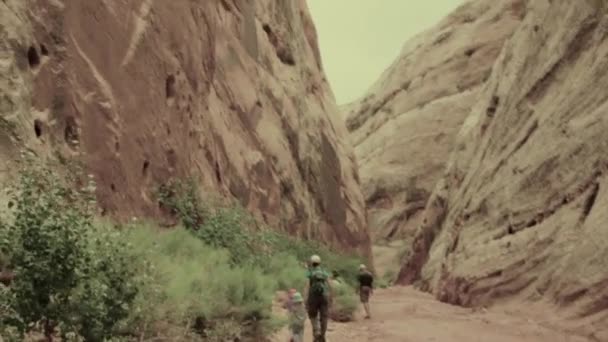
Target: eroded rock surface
(521,210)
(405,127)
(231,92)
(16,118)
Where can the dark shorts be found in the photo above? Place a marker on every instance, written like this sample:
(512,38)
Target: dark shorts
(364,294)
(317,305)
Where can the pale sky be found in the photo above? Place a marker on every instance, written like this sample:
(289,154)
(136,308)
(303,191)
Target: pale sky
(359,39)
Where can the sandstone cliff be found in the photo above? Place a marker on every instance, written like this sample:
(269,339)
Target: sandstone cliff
(522,207)
(231,92)
(404,127)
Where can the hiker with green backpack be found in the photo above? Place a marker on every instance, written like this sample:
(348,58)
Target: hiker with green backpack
(319,296)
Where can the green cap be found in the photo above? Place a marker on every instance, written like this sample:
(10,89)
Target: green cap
(297,298)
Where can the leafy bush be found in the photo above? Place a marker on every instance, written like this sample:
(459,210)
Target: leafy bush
(181,198)
(68,275)
(105,296)
(345,303)
(279,244)
(79,278)
(191,281)
(234,228)
(227,228)
(287,272)
(275,254)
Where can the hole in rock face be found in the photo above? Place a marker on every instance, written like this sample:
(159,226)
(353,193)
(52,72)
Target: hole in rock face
(171,156)
(491,110)
(113,187)
(286,57)
(70,132)
(43,50)
(38,128)
(170,87)
(144,169)
(469,52)
(218,174)
(32,57)
(226,5)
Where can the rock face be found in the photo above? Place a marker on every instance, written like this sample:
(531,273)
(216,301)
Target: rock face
(15,89)
(231,92)
(522,206)
(404,128)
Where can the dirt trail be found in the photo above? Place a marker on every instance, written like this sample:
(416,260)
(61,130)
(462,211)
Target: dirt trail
(402,314)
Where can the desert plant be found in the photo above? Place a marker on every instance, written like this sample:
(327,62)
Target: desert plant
(230,228)
(181,198)
(105,295)
(191,281)
(345,303)
(234,228)
(67,275)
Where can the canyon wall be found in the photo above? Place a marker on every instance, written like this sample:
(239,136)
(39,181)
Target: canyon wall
(521,209)
(404,128)
(229,92)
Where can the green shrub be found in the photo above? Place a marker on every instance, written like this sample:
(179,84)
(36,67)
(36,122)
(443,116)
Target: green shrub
(106,295)
(68,275)
(276,255)
(287,272)
(227,228)
(78,278)
(346,266)
(188,280)
(235,229)
(345,303)
(182,199)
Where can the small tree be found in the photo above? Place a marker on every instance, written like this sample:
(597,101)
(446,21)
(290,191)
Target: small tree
(50,228)
(67,273)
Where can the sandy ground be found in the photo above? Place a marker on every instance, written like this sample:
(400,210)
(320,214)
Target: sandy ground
(402,314)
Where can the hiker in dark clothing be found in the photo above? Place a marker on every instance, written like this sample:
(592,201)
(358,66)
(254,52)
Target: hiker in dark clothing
(366,288)
(318,292)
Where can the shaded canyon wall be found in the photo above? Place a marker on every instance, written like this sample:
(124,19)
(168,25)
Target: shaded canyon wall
(521,209)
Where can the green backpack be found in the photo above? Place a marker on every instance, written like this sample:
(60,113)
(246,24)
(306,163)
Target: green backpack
(318,282)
